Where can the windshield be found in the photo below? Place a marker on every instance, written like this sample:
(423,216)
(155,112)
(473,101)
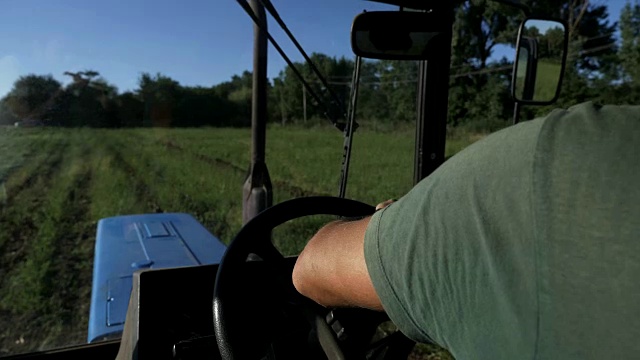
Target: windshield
(110,109)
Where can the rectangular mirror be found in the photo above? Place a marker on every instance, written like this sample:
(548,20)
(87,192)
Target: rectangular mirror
(540,61)
(393,35)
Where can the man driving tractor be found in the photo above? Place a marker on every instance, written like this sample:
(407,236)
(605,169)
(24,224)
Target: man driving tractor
(524,245)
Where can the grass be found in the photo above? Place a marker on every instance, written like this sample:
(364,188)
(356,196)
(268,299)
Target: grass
(547,77)
(55,184)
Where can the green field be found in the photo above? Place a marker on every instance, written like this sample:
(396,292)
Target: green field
(547,77)
(55,185)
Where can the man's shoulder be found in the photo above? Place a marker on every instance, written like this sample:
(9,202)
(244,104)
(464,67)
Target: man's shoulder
(572,130)
(588,111)
(588,126)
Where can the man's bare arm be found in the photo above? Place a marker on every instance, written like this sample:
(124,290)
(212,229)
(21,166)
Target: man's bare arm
(331,269)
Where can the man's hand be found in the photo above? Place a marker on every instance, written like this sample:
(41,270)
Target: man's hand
(384,204)
(331,269)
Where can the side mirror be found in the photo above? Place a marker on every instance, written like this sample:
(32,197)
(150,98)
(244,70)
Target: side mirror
(540,61)
(394,35)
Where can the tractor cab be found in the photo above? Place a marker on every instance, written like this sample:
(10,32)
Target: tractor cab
(165,288)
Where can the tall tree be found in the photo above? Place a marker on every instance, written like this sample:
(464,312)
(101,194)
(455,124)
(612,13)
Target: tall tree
(236,96)
(291,95)
(32,96)
(130,110)
(479,27)
(591,35)
(372,102)
(89,100)
(160,95)
(630,48)
(398,85)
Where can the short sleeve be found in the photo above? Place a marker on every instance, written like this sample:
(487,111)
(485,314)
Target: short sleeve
(454,260)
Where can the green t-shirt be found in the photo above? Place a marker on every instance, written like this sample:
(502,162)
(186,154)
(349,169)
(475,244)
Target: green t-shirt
(526,245)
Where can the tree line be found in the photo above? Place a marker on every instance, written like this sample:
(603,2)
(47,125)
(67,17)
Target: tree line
(89,100)
(599,68)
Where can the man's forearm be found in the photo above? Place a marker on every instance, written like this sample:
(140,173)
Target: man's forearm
(331,270)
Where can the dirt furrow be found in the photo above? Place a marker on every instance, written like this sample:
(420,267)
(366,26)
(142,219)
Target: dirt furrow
(19,221)
(44,169)
(141,188)
(49,253)
(71,273)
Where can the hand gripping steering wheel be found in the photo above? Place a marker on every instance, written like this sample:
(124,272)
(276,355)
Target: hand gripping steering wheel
(255,238)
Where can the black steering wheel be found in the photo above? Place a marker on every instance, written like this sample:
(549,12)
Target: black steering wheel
(230,299)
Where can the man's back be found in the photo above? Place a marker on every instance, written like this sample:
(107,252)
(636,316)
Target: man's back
(525,245)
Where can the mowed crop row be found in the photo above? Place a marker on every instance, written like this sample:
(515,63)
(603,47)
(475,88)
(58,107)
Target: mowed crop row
(55,184)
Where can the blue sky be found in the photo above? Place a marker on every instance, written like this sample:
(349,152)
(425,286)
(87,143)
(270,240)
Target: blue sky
(197,42)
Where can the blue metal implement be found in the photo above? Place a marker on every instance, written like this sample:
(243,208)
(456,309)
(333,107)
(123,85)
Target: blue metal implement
(125,244)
